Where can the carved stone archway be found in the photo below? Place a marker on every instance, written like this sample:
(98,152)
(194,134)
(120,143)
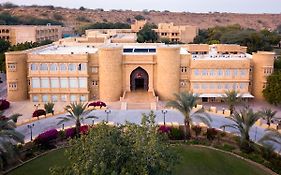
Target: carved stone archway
(139,79)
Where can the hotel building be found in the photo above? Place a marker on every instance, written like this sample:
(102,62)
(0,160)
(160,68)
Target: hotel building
(26,33)
(75,70)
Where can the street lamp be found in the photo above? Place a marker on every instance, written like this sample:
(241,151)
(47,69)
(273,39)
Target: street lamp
(93,122)
(36,106)
(107,111)
(164,112)
(30,127)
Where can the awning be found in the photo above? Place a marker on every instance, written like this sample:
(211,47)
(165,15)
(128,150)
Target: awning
(243,95)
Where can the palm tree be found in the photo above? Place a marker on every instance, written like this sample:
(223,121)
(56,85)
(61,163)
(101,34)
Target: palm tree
(77,112)
(184,103)
(232,98)
(243,122)
(271,135)
(9,137)
(268,115)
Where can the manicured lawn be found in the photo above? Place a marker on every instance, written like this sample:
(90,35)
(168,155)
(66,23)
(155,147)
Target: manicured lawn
(204,161)
(41,165)
(195,161)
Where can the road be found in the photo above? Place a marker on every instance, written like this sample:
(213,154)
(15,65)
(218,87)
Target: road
(133,116)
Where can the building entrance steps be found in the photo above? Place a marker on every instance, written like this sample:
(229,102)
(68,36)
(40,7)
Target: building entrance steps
(139,99)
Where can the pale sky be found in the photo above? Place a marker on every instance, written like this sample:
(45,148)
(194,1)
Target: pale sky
(238,6)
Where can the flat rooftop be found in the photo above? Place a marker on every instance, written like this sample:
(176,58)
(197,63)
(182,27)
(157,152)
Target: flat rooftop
(63,49)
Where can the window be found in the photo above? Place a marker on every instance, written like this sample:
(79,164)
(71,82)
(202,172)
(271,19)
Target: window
(94,70)
(13,86)
(183,69)
(63,67)
(35,98)
(212,86)
(195,86)
(220,72)
(45,83)
(63,98)
(73,98)
(183,83)
(72,67)
(242,85)
(219,86)
(212,72)
(53,67)
(33,67)
(55,83)
(35,82)
(54,98)
(243,72)
(227,72)
(204,86)
(82,67)
(12,67)
(64,82)
(73,83)
(95,83)
(196,72)
(83,82)
(44,67)
(45,98)
(82,98)
(204,72)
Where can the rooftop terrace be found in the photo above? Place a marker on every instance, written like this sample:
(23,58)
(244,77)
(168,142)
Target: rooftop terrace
(62,49)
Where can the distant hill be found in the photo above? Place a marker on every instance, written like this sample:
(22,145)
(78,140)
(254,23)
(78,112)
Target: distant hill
(76,17)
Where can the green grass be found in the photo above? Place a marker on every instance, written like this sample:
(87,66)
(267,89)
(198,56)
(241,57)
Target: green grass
(204,161)
(41,165)
(195,161)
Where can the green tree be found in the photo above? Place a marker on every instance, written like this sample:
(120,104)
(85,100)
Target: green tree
(184,103)
(243,121)
(49,107)
(139,17)
(76,112)
(4,46)
(146,34)
(232,98)
(272,92)
(277,64)
(113,150)
(9,137)
(267,114)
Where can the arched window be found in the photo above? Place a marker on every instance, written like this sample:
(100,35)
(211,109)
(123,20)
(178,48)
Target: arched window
(71,67)
(43,66)
(63,67)
(53,67)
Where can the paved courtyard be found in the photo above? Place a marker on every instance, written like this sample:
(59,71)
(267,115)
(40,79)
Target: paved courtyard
(133,116)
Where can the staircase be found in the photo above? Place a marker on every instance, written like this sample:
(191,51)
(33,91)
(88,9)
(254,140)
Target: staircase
(139,99)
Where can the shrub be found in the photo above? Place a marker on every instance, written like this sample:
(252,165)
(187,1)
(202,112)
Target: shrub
(82,8)
(39,112)
(4,104)
(84,129)
(176,134)
(139,17)
(70,132)
(46,137)
(197,130)
(211,133)
(49,107)
(97,104)
(164,129)
(82,19)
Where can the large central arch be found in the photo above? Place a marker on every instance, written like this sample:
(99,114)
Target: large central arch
(139,79)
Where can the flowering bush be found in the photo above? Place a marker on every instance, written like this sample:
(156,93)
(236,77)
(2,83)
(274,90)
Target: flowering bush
(84,129)
(70,132)
(197,129)
(97,104)
(164,129)
(39,112)
(47,136)
(176,134)
(4,104)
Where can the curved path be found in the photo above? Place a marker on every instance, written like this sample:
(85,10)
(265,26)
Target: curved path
(133,116)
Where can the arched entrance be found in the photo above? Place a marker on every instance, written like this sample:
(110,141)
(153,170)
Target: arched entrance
(139,79)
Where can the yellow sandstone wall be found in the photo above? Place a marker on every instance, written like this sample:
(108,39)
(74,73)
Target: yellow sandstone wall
(110,73)
(17,76)
(261,61)
(168,74)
